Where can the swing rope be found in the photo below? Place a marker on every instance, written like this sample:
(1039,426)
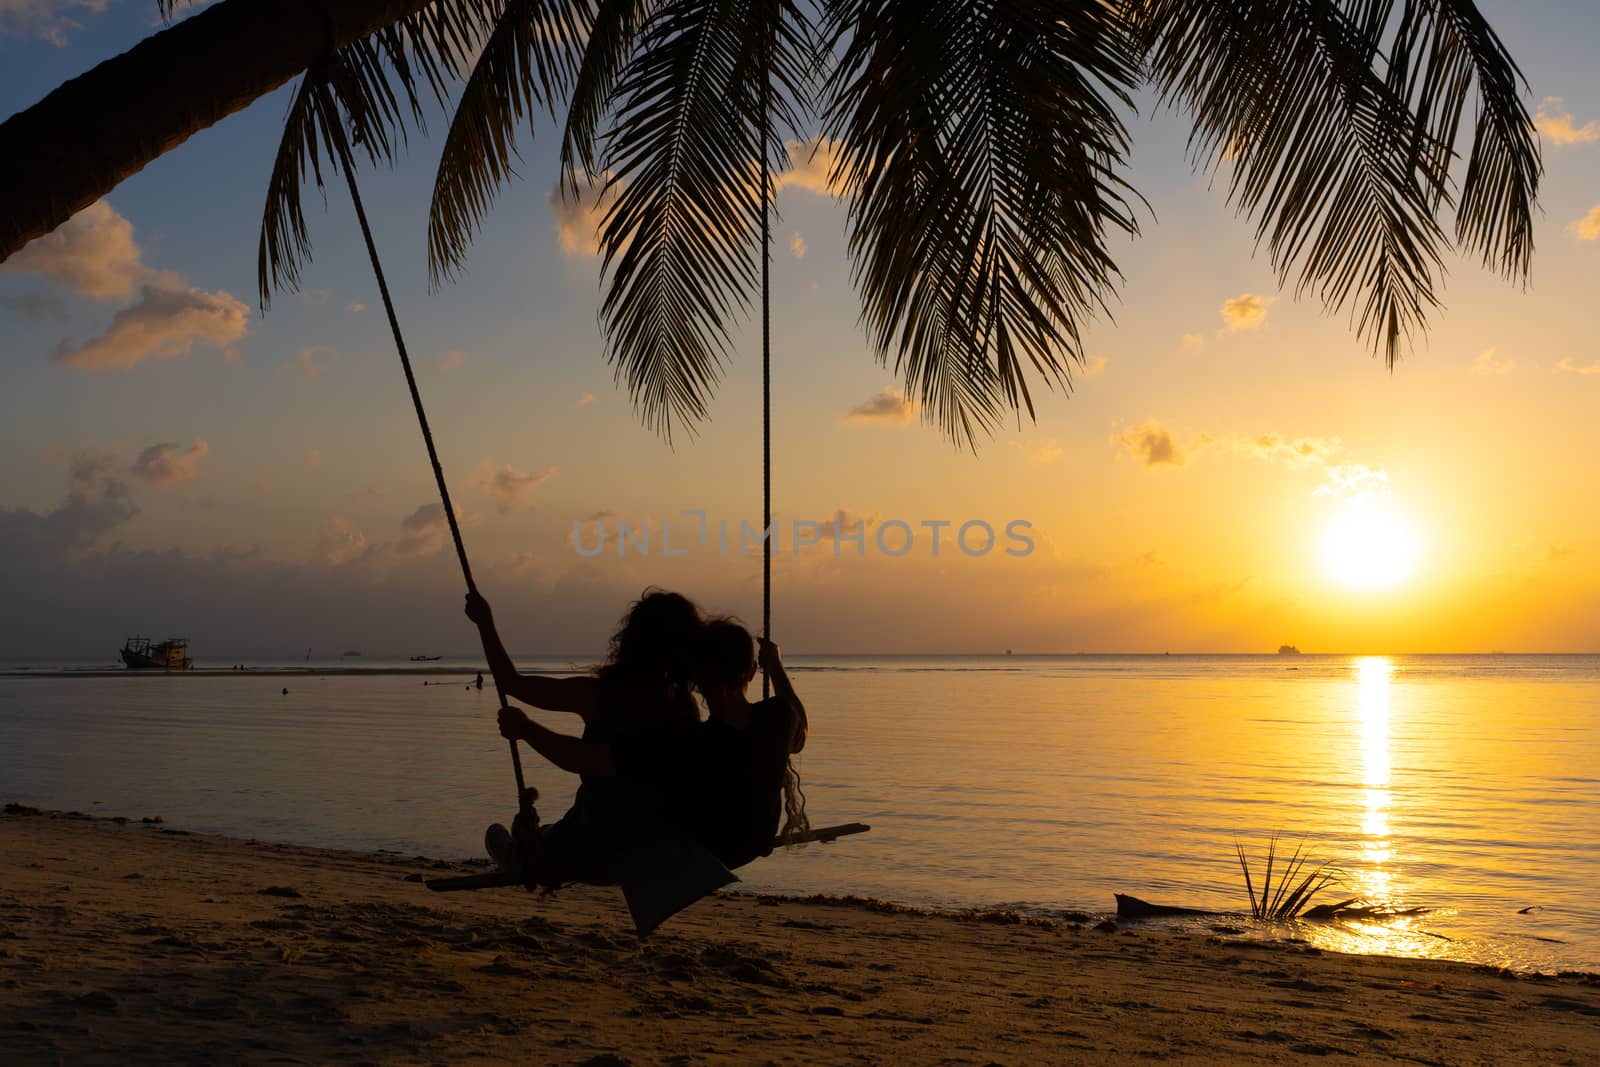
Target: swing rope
(347,164)
(766,354)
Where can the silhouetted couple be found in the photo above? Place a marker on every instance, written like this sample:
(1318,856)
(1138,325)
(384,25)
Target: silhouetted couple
(668,804)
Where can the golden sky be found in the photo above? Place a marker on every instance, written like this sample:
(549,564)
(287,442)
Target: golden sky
(268,469)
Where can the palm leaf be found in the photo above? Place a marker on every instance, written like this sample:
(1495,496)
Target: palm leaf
(981,147)
(611,41)
(1339,118)
(677,238)
(367,92)
(527,62)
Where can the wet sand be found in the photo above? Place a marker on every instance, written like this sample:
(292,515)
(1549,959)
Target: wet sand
(141,943)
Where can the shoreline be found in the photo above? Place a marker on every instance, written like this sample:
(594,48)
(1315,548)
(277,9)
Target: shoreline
(140,942)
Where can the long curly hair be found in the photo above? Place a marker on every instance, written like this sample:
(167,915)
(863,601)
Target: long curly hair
(655,643)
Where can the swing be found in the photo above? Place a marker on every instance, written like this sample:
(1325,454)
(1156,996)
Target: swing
(647,913)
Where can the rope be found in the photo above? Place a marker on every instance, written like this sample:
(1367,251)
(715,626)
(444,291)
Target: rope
(766,354)
(348,166)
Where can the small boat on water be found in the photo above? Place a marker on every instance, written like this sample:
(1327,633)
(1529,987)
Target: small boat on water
(425,659)
(1288,650)
(145,654)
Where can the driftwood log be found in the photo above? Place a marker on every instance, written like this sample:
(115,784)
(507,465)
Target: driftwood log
(1134,908)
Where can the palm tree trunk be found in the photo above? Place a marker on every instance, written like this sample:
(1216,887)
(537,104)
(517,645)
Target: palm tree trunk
(78,143)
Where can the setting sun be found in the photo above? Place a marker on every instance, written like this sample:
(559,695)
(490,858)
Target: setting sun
(1370,548)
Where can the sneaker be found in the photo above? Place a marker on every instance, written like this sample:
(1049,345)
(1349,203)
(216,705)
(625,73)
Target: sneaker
(497,841)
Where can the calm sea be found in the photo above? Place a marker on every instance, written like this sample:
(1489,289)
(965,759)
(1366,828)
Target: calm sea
(1467,785)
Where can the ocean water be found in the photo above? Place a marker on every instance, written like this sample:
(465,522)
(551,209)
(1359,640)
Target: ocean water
(1465,785)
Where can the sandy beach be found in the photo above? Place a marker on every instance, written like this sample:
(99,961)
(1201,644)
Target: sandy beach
(141,943)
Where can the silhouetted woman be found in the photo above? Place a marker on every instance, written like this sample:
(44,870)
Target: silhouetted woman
(642,686)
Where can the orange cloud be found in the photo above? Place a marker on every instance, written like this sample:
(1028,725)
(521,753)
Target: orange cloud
(1152,444)
(164,323)
(46,20)
(890,407)
(340,542)
(510,486)
(169,463)
(1487,365)
(1588,227)
(1556,126)
(812,162)
(93,253)
(1245,312)
(1570,367)
(579,215)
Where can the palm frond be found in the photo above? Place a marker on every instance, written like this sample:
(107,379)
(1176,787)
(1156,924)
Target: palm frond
(611,41)
(677,238)
(1339,118)
(981,146)
(369,91)
(528,62)
(285,243)
(1494,215)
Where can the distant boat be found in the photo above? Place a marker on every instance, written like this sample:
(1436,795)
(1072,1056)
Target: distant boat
(425,659)
(144,654)
(1288,650)
(352,653)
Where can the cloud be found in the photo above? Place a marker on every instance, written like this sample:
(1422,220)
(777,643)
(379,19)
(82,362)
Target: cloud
(84,468)
(1588,227)
(93,254)
(1300,453)
(1095,367)
(86,514)
(164,323)
(1193,342)
(312,360)
(1487,365)
(812,162)
(425,530)
(510,486)
(1556,125)
(169,463)
(340,542)
(847,523)
(797,245)
(578,216)
(1570,367)
(450,361)
(585,400)
(1355,481)
(1152,444)
(605,527)
(889,407)
(313,458)
(1047,452)
(356,309)
(45,20)
(1245,312)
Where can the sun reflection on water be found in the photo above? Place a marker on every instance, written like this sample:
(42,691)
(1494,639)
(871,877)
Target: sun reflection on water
(1375,879)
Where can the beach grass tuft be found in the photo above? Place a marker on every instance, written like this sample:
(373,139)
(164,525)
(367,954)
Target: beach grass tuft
(1286,897)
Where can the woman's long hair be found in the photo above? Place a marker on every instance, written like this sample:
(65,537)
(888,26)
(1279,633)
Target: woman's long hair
(655,643)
